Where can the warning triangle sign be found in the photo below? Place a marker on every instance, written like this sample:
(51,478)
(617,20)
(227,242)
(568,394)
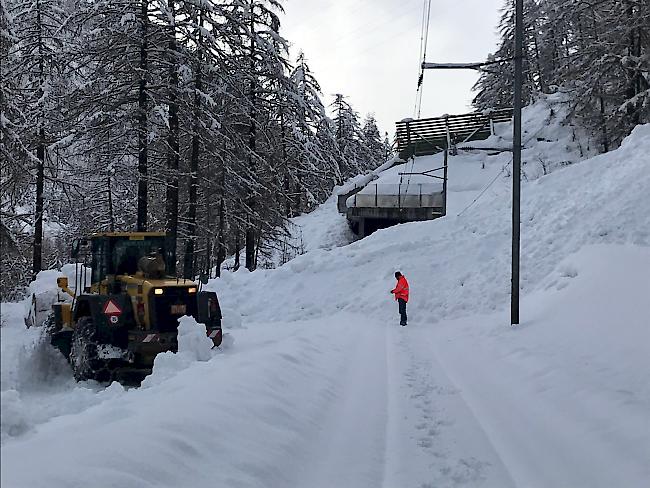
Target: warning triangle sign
(111,308)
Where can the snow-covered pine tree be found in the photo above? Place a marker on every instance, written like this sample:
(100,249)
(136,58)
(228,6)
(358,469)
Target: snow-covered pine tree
(372,147)
(494,86)
(116,55)
(307,172)
(608,78)
(34,61)
(14,168)
(597,53)
(266,58)
(197,32)
(347,127)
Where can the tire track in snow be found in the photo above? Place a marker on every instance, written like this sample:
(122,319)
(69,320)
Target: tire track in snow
(434,440)
(348,448)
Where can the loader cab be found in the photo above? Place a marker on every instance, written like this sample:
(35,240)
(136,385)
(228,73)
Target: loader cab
(118,253)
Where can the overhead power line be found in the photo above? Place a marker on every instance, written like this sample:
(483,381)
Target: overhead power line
(424,39)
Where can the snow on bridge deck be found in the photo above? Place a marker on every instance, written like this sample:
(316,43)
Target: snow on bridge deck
(404,195)
(395,197)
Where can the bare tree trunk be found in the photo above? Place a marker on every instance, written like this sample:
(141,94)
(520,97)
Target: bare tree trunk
(297,198)
(38,221)
(250,221)
(111,216)
(188,268)
(172,141)
(142,122)
(257,247)
(37,261)
(221,245)
(208,233)
(237,253)
(603,121)
(540,72)
(288,210)
(634,86)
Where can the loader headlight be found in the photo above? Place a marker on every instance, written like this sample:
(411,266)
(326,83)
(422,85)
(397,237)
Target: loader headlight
(191,290)
(158,291)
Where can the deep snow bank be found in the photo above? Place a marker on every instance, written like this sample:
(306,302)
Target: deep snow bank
(234,420)
(36,383)
(461,265)
(564,398)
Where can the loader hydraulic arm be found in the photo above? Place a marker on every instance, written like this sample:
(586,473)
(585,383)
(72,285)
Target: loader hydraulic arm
(62,283)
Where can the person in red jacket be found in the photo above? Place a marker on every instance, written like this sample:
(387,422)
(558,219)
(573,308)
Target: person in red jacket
(401,292)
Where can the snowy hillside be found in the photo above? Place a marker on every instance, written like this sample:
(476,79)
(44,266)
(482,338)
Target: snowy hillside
(322,388)
(323,228)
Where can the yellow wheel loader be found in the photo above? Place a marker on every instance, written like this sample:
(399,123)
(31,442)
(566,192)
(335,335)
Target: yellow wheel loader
(113,328)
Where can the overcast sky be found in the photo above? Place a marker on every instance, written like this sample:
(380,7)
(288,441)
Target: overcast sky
(368,50)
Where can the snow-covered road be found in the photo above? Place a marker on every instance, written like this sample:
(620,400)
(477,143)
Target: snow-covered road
(355,402)
(394,419)
(345,401)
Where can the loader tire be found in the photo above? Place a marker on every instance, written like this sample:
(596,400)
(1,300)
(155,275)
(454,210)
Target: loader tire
(86,365)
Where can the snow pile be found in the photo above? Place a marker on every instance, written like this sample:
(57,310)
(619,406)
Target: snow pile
(193,345)
(46,280)
(36,383)
(192,340)
(42,293)
(14,420)
(231,319)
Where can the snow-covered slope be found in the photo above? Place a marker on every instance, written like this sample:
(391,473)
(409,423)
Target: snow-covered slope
(322,228)
(464,260)
(322,388)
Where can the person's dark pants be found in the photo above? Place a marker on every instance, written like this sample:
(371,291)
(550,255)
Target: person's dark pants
(402,311)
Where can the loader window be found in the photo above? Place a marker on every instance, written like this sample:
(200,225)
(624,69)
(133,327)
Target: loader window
(127,260)
(100,261)
(127,253)
(111,255)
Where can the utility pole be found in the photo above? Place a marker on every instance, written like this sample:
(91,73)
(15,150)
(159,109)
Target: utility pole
(516,146)
(516,163)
